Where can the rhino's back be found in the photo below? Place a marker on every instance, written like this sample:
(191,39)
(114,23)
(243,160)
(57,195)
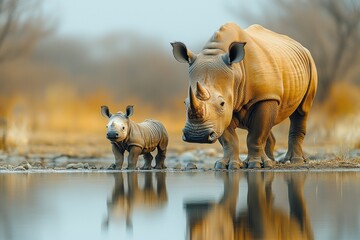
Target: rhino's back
(152,133)
(277,67)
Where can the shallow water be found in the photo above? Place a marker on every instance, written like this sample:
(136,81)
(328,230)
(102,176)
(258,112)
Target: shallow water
(179,205)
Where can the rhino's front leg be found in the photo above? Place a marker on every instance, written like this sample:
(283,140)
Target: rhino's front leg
(134,153)
(260,121)
(119,157)
(230,143)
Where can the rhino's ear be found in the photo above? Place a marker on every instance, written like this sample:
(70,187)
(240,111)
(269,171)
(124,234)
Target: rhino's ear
(105,111)
(236,53)
(129,111)
(182,54)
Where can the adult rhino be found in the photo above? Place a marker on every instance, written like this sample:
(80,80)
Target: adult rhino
(252,79)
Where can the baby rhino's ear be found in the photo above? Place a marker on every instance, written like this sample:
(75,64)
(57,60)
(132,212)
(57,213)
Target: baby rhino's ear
(105,111)
(129,111)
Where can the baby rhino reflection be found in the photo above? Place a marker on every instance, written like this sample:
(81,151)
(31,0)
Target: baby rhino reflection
(261,220)
(127,196)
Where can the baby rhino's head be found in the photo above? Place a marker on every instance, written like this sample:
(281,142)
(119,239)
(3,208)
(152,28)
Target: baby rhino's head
(118,124)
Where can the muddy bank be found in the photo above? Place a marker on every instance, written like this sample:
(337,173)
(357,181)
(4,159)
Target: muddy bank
(199,159)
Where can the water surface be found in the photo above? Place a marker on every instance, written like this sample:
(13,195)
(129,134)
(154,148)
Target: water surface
(179,205)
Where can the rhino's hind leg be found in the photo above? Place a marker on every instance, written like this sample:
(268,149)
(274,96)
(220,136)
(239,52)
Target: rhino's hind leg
(260,121)
(297,133)
(148,159)
(230,143)
(270,145)
(160,158)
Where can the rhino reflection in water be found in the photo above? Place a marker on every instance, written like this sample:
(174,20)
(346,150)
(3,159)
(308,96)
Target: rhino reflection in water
(261,220)
(128,195)
(252,79)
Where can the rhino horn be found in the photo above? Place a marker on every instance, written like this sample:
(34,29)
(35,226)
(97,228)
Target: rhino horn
(201,92)
(194,102)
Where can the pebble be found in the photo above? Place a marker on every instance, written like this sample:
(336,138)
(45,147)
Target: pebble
(75,166)
(177,166)
(37,164)
(188,157)
(190,166)
(26,165)
(19,168)
(86,166)
(92,166)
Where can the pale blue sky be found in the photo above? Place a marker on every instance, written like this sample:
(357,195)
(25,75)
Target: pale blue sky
(190,21)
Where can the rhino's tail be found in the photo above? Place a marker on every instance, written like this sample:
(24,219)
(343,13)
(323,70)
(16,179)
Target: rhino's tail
(308,99)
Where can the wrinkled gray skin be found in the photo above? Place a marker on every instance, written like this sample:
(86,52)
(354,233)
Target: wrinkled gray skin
(275,79)
(137,139)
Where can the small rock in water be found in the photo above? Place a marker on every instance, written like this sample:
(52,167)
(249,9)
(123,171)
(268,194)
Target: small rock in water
(19,168)
(177,166)
(86,166)
(74,166)
(190,166)
(188,157)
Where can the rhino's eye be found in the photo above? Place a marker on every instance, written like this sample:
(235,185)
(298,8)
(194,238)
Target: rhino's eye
(222,103)
(123,128)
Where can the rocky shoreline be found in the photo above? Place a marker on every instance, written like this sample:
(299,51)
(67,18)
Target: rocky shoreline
(199,159)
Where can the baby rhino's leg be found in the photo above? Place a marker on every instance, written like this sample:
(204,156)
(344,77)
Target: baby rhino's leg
(119,158)
(161,151)
(160,158)
(134,153)
(148,159)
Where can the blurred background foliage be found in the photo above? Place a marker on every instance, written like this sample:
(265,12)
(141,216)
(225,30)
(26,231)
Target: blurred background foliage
(56,84)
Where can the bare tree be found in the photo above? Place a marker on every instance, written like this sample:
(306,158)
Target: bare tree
(21,25)
(330,29)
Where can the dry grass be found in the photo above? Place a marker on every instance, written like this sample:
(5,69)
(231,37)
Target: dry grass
(66,117)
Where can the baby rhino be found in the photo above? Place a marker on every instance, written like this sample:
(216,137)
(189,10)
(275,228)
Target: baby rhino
(137,139)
